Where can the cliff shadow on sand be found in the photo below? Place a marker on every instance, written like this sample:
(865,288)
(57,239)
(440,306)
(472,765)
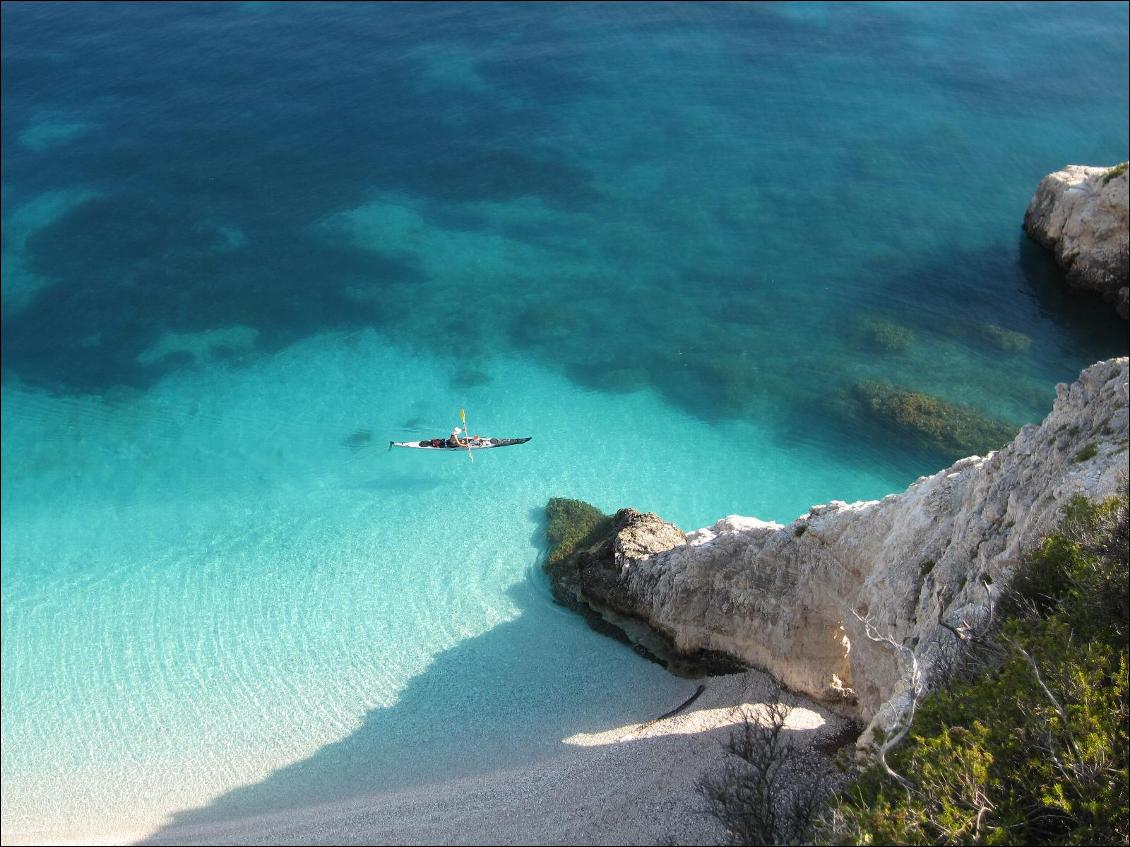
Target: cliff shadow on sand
(458,757)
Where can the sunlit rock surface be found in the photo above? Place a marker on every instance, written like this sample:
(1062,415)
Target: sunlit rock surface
(1080,212)
(786,598)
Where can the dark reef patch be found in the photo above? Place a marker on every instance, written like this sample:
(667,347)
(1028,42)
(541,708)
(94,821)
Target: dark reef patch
(126,269)
(214,165)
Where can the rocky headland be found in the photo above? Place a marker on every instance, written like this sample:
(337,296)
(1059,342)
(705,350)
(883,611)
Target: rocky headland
(1080,213)
(805,601)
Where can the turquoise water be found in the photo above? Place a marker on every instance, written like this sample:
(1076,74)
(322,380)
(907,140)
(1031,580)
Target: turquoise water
(246,245)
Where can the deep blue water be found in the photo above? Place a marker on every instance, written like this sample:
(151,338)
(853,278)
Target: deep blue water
(659,238)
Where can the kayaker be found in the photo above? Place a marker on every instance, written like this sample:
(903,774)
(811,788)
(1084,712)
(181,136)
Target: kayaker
(456,441)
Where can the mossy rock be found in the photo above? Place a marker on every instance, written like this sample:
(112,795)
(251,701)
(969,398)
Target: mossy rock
(571,523)
(573,526)
(885,336)
(933,422)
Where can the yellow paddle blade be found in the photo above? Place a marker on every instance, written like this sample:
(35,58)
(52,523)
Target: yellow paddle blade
(463,417)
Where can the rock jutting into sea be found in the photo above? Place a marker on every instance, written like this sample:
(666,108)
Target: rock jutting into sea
(922,567)
(1080,212)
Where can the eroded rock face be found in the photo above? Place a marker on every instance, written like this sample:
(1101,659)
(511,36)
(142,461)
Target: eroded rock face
(784,598)
(593,581)
(1080,212)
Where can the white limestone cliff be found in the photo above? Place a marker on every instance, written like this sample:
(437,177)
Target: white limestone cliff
(1080,212)
(785,598)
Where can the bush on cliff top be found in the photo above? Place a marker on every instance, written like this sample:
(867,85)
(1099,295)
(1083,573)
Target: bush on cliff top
(571,523)
(1115,171)
(1035,750)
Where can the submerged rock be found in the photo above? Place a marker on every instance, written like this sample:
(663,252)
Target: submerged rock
(1005,340)
(885,336)
(1080,212)
(919,565)
(935,423)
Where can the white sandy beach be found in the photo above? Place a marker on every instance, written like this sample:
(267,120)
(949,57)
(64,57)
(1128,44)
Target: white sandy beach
(631,784)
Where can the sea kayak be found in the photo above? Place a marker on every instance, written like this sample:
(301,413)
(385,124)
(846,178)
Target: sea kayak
(473,444)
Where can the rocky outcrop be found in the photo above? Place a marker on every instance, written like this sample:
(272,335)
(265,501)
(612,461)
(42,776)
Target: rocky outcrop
(1081,213)
(921,566)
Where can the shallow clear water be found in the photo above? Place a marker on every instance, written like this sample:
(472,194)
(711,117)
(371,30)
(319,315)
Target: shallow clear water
(246,245)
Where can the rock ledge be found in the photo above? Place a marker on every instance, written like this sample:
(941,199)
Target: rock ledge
(1080,213)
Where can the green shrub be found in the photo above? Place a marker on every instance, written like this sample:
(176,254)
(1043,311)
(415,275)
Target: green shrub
(1034,751)
(1115,171)
(1079,573)
(1088,452)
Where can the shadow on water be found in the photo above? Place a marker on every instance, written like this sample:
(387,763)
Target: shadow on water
(1016,284)
(540,520)
(1083,312)
(482,705)
(405,484)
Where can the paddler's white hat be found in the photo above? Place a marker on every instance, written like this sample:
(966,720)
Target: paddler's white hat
(457,429)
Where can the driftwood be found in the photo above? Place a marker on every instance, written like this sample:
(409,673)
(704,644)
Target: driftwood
(676,710)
